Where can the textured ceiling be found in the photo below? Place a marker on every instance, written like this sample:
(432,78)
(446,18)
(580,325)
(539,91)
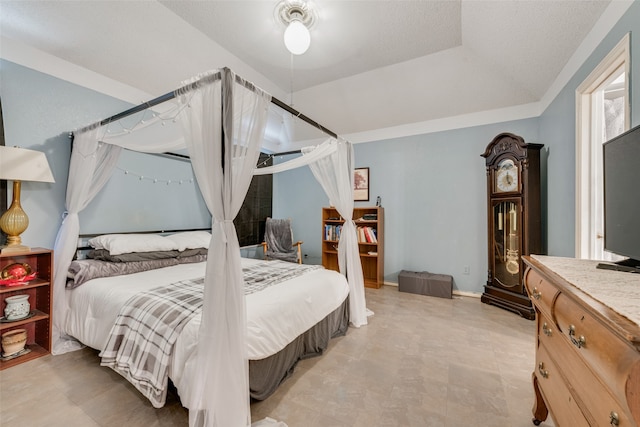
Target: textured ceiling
(348,38)
(371,65)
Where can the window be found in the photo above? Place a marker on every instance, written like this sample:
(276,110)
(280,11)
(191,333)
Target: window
(602,112)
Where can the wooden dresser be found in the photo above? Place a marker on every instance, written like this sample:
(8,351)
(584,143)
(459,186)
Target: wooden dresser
(587,369)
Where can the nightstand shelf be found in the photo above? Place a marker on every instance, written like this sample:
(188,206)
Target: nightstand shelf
(40,293)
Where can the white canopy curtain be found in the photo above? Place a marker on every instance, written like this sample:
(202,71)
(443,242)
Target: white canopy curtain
(332,165)
(335,174)
(223,119)
(91,166)
(219,395)
(220,392)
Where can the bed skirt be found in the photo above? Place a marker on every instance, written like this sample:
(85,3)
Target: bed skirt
(266,375)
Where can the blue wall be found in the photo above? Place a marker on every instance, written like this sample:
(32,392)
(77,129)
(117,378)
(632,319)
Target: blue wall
(433,189)
(128,203)
(38,112)
(558,130)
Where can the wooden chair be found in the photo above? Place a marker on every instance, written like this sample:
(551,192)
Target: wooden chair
(278,241)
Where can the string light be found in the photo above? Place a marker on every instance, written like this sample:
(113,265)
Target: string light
(265,161)
(170,115)
(108,131)
(156,180)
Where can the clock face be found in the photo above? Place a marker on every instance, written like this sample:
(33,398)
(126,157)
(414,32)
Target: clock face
(506,176)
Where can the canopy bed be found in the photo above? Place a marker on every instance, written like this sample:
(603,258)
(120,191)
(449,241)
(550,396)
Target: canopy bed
(292,311)
(221,120)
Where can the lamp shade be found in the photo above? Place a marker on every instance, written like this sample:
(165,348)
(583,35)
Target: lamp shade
(21,164)
(296,37)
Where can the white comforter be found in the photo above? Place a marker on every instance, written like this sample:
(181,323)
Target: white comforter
(275,316)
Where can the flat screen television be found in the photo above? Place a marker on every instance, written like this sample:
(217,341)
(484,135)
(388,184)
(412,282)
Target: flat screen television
(621,157)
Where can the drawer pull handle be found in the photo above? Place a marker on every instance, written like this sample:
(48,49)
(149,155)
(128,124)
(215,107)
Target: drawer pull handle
(543,372)
(581,341)
(536,294)
(614,420)
(546,329)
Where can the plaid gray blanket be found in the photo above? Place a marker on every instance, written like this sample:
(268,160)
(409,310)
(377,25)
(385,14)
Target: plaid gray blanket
(141,341)
(268,273)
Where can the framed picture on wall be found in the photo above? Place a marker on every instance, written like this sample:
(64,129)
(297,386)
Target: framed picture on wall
(361,184)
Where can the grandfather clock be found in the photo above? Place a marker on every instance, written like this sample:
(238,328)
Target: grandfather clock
(514,224)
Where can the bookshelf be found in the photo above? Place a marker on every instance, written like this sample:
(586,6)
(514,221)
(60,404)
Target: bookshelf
(39,290)
(370,241)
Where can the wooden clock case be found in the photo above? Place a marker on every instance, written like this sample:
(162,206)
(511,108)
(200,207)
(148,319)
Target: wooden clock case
(513,220)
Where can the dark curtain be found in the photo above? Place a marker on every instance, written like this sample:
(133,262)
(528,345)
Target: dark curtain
(250,221)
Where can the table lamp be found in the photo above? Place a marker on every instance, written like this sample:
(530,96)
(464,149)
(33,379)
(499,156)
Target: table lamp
(17,165)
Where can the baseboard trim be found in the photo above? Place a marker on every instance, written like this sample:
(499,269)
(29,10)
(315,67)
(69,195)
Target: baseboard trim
(467,294)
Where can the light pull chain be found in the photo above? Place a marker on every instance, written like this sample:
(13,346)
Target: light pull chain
(291,81)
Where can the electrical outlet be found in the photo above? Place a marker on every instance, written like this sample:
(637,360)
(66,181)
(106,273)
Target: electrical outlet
(466,269)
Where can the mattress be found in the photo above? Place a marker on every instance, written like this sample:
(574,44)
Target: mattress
(276,316)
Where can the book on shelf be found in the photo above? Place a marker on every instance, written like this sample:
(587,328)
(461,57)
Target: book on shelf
(332,232)
(367,234)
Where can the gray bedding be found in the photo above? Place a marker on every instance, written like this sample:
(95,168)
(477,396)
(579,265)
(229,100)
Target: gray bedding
(81,271)
(266,375)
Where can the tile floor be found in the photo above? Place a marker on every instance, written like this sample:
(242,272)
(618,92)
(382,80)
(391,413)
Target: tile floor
(421,361)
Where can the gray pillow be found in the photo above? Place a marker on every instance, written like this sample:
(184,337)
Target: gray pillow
(194,252)
(104,255)
(81,271)
(192,258)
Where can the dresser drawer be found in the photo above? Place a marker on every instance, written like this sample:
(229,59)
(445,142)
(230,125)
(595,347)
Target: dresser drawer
(547,331)
(541,291)
(563,407)
(609,357)
(593,395)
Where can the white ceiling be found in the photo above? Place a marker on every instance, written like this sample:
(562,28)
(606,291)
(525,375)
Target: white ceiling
(372,65)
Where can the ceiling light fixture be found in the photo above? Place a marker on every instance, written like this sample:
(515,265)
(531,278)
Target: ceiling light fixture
(298,16)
